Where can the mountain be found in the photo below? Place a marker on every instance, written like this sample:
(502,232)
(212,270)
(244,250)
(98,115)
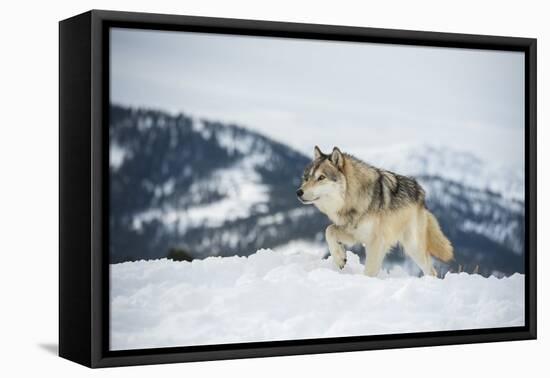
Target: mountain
(211,188)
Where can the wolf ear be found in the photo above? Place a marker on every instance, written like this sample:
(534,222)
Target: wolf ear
(337,158)
(317,152)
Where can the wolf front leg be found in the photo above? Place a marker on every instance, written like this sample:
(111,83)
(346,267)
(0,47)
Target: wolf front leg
(336,239)
(376,251)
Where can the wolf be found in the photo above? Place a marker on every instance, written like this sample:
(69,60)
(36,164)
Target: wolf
(373,207)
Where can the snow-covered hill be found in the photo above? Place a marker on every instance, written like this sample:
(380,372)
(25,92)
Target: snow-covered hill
(280,296)
(201,185)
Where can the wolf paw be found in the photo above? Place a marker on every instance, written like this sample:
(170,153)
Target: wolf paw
(340,262)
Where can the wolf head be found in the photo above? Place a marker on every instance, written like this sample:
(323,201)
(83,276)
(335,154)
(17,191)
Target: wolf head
(323,181)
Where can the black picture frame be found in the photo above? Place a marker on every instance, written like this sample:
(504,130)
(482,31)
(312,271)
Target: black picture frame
(83,188)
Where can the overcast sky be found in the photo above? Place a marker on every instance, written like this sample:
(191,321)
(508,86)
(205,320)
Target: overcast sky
(305,92)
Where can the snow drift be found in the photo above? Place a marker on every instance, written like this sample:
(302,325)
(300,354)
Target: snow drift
(279,296)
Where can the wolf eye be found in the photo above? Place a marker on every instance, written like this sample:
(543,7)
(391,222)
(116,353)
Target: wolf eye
(321,177)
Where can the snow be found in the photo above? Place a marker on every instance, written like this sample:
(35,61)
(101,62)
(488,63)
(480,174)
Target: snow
(165,189)
(243,144)
(198,126)
(239,185)
(500,233)
(297,246)
(274,295)
(117,155)
(279,217)
(145,123)
(242,191)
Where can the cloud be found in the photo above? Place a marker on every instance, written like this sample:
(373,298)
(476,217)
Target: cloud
(303,92)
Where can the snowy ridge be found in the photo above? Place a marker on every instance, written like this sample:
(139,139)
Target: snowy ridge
(497,218)
(239,187)
(450,163)
(279,296)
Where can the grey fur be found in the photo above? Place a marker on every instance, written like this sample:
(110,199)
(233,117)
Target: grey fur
(385,190)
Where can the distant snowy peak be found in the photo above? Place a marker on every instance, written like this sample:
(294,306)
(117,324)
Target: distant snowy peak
(449,163)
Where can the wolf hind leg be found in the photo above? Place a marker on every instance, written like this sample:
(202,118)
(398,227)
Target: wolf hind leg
(424,261)
(419,254)
(376,251)
(416,246)
(336,238)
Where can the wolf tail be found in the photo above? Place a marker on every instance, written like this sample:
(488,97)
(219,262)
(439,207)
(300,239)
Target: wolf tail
(438,244)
